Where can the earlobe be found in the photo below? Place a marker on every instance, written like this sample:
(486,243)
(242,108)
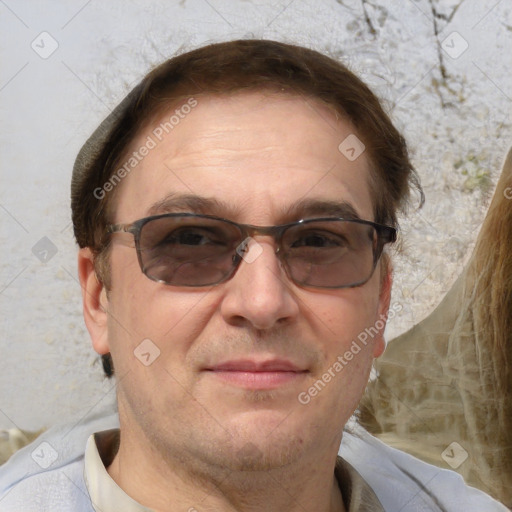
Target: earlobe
(384,301)
(94,300)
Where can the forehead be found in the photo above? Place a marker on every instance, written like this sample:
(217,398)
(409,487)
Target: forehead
(253,157)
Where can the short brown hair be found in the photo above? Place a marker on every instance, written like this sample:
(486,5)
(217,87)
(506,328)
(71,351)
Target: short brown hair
(226,68)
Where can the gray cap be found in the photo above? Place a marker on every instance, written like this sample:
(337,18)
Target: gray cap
(95,143)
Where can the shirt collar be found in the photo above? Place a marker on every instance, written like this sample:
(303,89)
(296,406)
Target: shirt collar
(106,495)
(357,495)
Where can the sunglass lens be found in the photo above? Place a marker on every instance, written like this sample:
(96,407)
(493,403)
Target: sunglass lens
(188,251)
(330,254)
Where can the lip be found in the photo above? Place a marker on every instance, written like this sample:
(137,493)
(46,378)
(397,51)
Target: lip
(260,375)
(248,365)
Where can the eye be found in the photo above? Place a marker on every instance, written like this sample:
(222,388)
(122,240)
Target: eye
(319,239)
(192,237)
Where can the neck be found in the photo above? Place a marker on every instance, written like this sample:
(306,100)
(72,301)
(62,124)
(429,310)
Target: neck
(182,482)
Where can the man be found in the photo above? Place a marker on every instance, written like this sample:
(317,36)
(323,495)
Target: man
(232,216)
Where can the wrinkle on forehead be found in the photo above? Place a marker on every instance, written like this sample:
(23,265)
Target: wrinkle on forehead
(254,148)
(225,116)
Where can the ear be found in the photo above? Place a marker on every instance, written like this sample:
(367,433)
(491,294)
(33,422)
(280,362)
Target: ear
(386,282)
(95,302)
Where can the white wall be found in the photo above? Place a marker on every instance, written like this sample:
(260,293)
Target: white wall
(50,105)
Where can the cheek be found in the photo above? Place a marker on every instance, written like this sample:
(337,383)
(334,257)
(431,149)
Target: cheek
(338,383)
(348,327)
(347,316)
(141,309)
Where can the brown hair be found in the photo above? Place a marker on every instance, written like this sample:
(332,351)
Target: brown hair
(226,68)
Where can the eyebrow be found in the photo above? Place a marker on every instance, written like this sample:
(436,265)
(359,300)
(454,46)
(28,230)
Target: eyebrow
(304,208)
(321,208)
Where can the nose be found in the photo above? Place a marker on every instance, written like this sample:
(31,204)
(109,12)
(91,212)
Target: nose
(260,293)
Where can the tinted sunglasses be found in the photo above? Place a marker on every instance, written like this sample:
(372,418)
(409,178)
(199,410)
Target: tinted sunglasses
(187,249)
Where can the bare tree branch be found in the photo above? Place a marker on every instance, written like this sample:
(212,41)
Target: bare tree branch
(367,18)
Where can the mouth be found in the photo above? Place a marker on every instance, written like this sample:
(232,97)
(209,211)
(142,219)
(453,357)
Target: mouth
(258,375)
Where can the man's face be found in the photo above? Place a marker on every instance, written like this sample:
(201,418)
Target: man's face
(258,155)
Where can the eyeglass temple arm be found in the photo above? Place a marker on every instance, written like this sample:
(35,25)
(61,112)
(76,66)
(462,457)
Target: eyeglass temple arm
(116,228)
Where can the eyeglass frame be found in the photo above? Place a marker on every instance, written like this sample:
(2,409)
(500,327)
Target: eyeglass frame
(385,235)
